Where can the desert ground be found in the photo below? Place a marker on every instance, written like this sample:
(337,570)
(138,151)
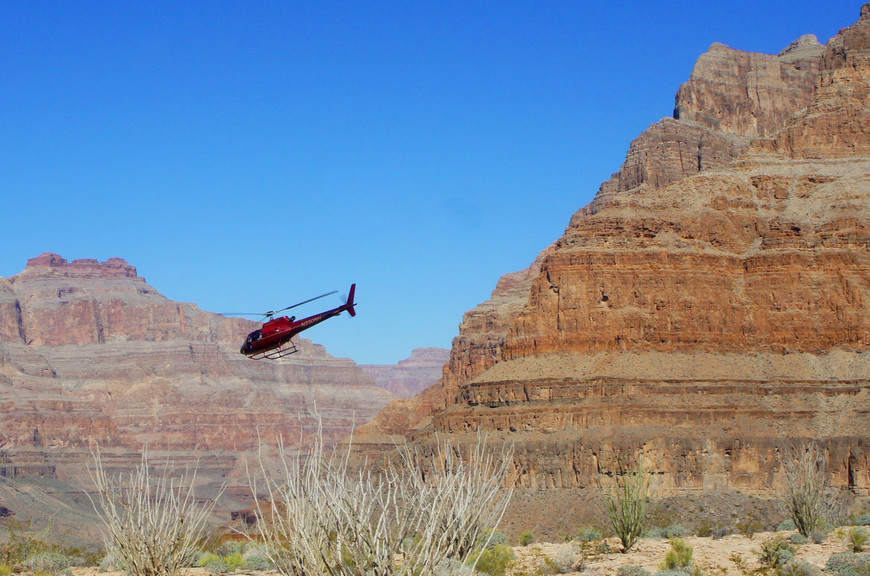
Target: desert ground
(732,555)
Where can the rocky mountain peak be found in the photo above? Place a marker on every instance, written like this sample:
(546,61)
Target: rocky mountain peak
(807,46)
(49,263)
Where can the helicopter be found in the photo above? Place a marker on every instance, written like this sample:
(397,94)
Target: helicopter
(274,339)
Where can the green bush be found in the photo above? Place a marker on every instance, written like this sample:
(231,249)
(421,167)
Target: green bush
(775,552)
(47,563)
(493,560)
(668,532)
(25,543)
(704,528)
(858,538)
(749,526)
(848,564)
(257,558)
(862,520)
(217,564)
(526,538)
(798,538)
(799,568)
(589,535)
(786,525)
(679,556)
(627,500)
(492,538)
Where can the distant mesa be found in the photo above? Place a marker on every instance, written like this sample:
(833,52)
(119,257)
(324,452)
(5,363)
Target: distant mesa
(113,267)
(411,375)
(93,354)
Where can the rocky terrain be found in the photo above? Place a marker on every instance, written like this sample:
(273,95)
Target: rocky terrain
(90,354)
(411,375)
(706,309)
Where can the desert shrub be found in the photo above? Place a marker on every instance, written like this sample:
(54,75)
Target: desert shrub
(675,531)
(632,571)
(322,517)
(230,547)
(25,543)
(627,499)
(526,538)
(862,520)
(453,567)
(589,535)
(798,538)
(720,532)
(798,567)
(775,552)
(787,524)
(676,572)
(564,561)
(858,538)
(493,560)
(748,526)
(848,564)
(215,563)
(493,538)
(679,556)
(47,563)
(805,473)
(257,558)
(818,536)
(5,570)
(704,528)
(151,527)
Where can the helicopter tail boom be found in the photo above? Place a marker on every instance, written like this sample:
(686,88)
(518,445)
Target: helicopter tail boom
(349,304)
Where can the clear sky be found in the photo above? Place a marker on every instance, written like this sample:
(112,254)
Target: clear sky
(250,155)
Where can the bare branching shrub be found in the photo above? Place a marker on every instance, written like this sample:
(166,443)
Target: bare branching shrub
(151,526)
(404,519)
(627,497)
(805,473)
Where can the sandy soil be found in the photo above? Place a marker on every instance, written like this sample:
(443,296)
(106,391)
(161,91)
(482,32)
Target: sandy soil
(720,557)
(715,557)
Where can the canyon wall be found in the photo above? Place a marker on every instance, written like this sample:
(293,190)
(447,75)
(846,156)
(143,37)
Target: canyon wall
(90,354)
(709,307)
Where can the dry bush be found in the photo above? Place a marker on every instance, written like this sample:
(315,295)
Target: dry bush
(151,526)
(407,518)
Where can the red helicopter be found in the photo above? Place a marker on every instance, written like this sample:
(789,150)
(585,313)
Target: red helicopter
(274,339)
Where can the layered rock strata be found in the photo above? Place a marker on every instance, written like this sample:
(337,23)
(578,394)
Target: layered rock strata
(90,353)
(411,375)
(709,307)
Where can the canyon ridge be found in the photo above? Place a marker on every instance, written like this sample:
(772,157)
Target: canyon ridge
(93,357)
(707,310)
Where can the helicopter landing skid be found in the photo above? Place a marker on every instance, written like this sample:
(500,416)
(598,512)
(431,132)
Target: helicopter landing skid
(275,353)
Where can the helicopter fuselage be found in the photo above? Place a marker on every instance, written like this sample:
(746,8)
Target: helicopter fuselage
(270,340)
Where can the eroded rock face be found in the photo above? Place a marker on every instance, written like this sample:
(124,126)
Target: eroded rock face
(411,375)
(710,305)
(90,353)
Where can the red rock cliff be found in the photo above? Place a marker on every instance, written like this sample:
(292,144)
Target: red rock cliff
(710,304)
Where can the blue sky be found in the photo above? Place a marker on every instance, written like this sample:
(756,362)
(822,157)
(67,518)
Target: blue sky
(250,155)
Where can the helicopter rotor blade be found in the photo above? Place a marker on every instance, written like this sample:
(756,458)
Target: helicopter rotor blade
(273,312)
(241,313)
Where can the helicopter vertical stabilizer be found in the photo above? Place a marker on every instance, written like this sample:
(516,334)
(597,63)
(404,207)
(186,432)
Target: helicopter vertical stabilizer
(349,304)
